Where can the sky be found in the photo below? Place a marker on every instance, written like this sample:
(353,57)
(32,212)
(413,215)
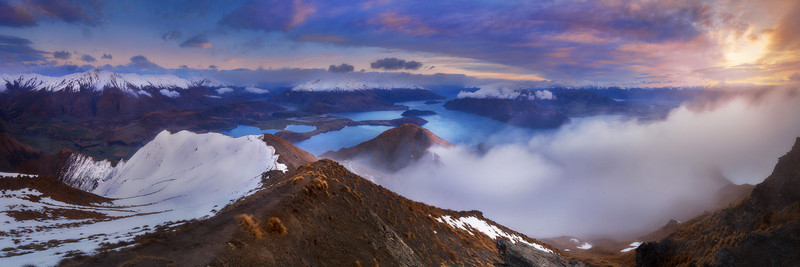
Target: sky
(627,43)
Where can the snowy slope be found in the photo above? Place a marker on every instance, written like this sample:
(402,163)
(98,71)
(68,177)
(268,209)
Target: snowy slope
(175,177)
(98,80)
(351,85)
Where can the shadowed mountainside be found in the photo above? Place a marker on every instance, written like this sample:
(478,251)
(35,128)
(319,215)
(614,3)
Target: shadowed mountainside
(762,229)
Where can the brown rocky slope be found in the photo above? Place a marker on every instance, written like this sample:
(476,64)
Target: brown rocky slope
(393,149)
(320,214)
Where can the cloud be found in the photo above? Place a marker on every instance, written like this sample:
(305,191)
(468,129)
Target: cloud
(393,21)
(172,35)
(169,93)
(341,68)
(199,40)
(62,54)
(15,50)
(28,12)
(795,77)
(106,56)
(15,16)
(88,58)
(224,90)
(213,67)
(140,64)
(391,63)
(269,15)
(610,177)
(255,90)
(507,90)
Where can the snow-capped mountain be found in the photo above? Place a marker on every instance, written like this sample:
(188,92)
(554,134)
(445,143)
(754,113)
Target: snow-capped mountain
(351,85)
(171,164)
(177,176)
(98,80)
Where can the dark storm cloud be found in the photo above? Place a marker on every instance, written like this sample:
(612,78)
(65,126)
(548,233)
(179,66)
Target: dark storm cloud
(391,63)
(15,16)
(106,56)
(88,58)
(62,55)
(341,68)
(200,41)
(18,50)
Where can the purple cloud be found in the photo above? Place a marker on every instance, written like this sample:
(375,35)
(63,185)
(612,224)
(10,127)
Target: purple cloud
(391,63)
(199,41)
(88,58)
(341,68)
(269,15)
(62,55)
(531,35)
(15,50)
(15,16)
(27,13)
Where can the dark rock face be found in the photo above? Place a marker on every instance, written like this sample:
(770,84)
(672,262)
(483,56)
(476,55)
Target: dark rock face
(417,113)
(352,101)
(393,149)
(515,112)
(762,230)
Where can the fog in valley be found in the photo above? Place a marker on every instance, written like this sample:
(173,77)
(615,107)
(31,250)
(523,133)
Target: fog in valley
(612,177)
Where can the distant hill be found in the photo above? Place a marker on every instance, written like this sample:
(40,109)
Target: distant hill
(393,149)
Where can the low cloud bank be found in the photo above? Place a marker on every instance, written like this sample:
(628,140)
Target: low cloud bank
(611,177)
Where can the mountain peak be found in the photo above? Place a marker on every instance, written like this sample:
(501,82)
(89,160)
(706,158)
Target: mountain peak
(393,149)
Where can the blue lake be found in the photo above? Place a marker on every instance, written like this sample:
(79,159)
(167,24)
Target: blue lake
(242,130)
(454,126)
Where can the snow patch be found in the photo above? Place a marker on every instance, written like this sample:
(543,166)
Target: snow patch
(631,247)
(14,174)
(471,223)
(585,245)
